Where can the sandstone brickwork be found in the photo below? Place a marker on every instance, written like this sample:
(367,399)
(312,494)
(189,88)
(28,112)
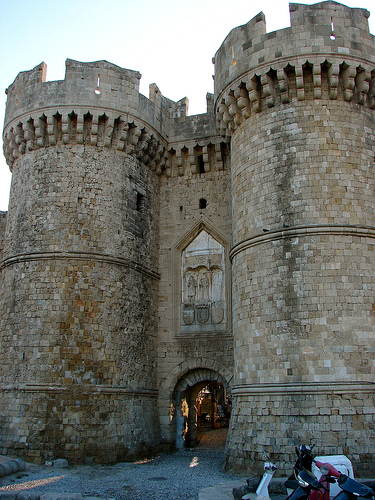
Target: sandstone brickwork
(3,219)
(148,252)
(302,143)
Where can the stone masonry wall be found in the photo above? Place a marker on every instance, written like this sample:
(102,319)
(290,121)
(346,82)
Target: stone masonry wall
(79,296)
(80,424)
(305,166)
(3,218)
(82,199)
(298,106)
(336,419)
(181,220)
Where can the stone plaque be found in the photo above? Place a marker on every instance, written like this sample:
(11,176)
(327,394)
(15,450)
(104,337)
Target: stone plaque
(203,285)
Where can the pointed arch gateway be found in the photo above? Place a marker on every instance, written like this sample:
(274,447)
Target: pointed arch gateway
(202,329)
(188,416)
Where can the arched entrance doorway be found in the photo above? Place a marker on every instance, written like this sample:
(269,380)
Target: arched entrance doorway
(202,401)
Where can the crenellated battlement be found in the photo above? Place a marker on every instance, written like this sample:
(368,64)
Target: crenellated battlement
(95,84)
(327,53)
(192,157)
(97,104)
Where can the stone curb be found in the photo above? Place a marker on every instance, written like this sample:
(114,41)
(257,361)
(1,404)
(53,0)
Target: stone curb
(222,491)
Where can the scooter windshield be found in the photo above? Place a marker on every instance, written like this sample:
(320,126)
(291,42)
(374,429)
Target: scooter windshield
(352,486)
(306,478)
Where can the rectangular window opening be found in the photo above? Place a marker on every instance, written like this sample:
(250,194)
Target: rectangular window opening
(140,201)
(200,164)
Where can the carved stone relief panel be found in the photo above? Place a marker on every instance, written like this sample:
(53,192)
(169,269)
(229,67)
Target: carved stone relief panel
(203,285)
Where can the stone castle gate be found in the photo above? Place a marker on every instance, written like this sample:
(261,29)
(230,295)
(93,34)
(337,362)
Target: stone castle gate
(146,251)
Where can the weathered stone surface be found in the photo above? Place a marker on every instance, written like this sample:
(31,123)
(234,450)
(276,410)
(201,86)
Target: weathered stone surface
(7,467)
(3,471)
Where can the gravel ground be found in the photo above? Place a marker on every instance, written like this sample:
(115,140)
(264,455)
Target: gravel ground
(169,477)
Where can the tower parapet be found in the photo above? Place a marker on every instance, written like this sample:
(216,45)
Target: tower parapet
(327,53)
(98,104)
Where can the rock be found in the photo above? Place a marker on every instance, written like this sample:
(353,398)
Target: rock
(27,495)
(60,463)
(277,486)
(14,465)
(2,471)
(21,464)
(8,468)
(239,492)
(8,495)
(253,483)
(61,496)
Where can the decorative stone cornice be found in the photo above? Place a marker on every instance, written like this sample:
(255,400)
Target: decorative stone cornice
(302,78)
(92,127)
(208,154)
(82,388)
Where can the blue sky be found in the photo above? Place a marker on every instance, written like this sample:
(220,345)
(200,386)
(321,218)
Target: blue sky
(170,42)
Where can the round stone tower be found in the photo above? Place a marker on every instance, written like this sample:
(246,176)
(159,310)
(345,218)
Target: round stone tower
(79,278)
(298,105)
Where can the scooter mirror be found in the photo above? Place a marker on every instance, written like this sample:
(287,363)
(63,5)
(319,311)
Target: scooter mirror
(324,470)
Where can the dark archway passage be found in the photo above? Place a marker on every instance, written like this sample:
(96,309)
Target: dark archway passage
(203,404)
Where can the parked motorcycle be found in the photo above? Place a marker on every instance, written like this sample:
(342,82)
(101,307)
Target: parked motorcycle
(304,462)
(304,485)
(311,487)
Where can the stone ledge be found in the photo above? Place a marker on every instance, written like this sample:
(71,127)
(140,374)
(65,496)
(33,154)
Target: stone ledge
(303,388)
(69,255)
(305,230)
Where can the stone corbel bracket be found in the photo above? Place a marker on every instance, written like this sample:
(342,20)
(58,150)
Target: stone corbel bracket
(294,80)
(91,127)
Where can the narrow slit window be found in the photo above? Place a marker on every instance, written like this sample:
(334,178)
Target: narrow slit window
(201,164)
(140,200)
(332,37)
(97,90)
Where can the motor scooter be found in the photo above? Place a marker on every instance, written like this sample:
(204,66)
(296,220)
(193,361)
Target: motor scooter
(309,487)
(329,474)
(304,461)
(262,488)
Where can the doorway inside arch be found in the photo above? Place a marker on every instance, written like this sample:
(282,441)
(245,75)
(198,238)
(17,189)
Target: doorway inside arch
(213,411)
(203,413)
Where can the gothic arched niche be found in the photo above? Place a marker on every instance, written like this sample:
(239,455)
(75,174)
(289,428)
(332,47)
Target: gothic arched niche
(203,285)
